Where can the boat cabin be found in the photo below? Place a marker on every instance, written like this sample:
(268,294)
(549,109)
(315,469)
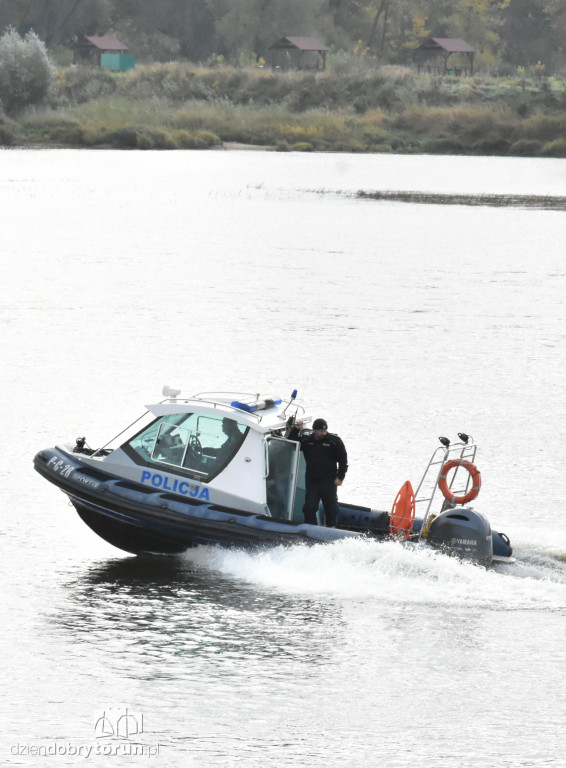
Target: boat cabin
(224,449)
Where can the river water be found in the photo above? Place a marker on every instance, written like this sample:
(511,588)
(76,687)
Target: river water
(397,322)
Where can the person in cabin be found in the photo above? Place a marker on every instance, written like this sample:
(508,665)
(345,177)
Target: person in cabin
(227,450)
(233,440)
(326,466)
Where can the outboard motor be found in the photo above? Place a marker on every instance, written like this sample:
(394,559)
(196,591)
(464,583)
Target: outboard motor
(463,532)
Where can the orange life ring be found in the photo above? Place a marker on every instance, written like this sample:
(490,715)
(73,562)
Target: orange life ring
(474,474)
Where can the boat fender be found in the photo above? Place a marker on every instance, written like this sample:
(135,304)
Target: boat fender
(474,474)
(426,526)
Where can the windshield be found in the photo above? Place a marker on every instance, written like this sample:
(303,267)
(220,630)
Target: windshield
(198,445)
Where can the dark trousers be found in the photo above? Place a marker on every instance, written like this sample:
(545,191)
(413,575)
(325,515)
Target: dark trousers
(315,492)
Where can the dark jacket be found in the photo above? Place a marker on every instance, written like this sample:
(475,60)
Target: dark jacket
(326,459)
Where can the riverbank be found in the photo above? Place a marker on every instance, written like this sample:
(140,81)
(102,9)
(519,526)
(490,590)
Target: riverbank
(393,109)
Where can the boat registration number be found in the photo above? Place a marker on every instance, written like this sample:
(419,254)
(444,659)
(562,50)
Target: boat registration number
(60,466)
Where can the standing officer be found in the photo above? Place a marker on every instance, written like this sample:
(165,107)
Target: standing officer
(327,464)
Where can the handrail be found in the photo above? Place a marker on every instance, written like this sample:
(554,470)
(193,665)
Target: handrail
(214,403)
(99,451)
(266,452)
(227,402)
(466,450)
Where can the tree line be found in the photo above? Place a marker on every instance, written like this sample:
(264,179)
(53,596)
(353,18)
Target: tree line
(508,34)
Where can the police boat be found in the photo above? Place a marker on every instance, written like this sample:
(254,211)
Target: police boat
(219,468)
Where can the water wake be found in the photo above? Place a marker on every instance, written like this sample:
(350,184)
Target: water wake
(391,572)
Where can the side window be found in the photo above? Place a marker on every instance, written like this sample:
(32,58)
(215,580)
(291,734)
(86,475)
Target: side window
(202,445)
(218,441)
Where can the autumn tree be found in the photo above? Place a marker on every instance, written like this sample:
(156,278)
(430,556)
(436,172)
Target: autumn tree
(254,25)
(528,30)
(519,32)
(56,21)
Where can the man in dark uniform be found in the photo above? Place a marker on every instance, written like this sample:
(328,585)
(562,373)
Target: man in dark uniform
(327,464)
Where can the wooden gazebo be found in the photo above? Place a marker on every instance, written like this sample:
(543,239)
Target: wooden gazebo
(105,51)
(298,53)
(432,56)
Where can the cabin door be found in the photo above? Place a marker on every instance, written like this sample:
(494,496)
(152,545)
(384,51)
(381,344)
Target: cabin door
(281,480)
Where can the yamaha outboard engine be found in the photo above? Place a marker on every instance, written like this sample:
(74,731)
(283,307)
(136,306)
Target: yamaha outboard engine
(463,532)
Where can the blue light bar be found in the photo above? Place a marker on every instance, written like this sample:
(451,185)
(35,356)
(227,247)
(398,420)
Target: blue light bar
(259,405)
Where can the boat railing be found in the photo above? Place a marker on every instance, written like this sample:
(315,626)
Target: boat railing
(214,402)
(226,399)
(426,491)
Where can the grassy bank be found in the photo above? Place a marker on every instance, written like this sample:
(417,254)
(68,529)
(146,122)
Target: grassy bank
(170,106)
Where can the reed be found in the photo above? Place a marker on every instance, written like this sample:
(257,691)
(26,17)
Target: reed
(391,109)
(139,124)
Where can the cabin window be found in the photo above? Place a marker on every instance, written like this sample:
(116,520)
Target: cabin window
(201,445)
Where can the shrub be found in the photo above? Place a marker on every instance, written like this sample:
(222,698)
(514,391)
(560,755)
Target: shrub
(59,130)
(206,139)
(199,140)
(556,148)
(526,148)
(443,146)
(386,96)
(7,137)
(93,137)
(174,81)
(140,137)
(544,127)
(491,144)
(9,131)
(183,139)
(154,139)
(77,85)
(126,138)
(305,96)
(25,70)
